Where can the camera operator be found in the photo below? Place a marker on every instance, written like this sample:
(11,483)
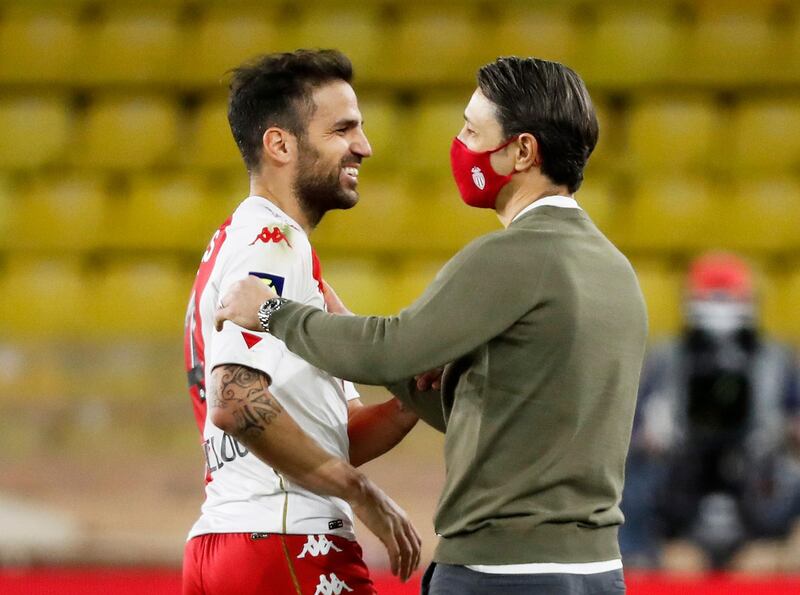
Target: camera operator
(714,460)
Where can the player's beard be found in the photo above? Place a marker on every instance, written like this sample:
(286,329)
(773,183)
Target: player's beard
(318,187)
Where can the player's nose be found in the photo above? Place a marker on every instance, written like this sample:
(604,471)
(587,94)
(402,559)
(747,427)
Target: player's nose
(360,145)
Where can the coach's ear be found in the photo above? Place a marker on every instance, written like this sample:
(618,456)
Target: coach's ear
(278,145)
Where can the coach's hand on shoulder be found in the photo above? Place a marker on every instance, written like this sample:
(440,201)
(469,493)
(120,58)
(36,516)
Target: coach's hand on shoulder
(240,305)
(391,525)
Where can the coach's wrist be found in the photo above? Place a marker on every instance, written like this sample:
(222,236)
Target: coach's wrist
(267,310)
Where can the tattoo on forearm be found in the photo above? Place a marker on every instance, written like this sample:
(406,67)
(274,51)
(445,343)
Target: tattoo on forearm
(246,392)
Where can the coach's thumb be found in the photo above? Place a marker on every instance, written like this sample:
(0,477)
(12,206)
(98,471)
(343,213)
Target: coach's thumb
(220,316)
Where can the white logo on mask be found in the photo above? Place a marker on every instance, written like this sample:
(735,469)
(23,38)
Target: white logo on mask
(478,178)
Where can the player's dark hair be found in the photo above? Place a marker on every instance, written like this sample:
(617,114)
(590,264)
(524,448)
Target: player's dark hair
(276,90)
(549,101)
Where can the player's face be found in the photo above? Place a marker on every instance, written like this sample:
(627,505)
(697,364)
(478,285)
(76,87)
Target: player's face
(331,152)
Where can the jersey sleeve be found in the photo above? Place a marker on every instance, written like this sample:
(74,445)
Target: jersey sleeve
(278,265)
(350,391)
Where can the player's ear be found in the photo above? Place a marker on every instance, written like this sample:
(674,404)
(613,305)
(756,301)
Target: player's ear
(278,145)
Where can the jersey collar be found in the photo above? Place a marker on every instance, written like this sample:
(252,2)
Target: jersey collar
(263,202)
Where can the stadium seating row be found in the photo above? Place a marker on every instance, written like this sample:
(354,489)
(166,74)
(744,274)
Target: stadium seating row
(654,132)
(397,214)
(146,299)
(610,43)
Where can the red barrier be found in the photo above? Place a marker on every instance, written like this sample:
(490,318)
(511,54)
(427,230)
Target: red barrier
(135,581)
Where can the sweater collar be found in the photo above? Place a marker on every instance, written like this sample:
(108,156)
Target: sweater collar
(564,202)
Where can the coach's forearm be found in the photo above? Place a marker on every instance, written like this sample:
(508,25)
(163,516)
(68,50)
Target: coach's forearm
(243,407)
(449,320)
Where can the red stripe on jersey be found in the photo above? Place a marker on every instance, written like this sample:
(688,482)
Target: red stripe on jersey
(194,344)
(316,270)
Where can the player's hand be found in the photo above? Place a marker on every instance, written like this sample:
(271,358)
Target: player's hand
(391,525)
(240,305)
(333,304)
(431,380)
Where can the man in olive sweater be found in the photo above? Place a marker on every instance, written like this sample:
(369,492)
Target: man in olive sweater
(541,329)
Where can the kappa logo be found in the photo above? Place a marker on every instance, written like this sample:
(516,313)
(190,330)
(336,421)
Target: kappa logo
(271,234)
(478,178)
(318,546)
(331,586)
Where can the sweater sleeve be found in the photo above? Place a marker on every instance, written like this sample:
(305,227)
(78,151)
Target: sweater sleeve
(480,292)
(427,404)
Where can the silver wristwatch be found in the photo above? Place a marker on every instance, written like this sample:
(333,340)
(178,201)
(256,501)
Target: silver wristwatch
(269,308)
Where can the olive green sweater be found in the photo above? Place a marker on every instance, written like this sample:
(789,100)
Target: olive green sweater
(542,327)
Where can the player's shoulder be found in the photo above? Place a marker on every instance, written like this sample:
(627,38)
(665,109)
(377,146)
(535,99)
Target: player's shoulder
(255,223)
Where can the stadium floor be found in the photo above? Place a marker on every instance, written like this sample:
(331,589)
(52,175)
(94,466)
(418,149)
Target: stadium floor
(158,581)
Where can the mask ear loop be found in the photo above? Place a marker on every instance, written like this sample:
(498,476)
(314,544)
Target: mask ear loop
(500,148)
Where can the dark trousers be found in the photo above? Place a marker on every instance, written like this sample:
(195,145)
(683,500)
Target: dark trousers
(445,579)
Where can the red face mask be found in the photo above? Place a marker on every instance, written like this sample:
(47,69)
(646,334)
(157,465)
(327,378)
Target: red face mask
(475,177)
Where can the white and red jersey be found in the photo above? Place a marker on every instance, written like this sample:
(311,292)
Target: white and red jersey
(243,494)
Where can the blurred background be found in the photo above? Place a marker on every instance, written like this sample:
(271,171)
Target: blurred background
(116,166)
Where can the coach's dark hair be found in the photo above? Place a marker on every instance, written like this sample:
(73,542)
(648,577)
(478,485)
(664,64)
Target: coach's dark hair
(276,90)
(550,101)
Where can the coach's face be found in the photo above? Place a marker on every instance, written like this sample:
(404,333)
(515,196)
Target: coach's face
(482,131)
(331,151)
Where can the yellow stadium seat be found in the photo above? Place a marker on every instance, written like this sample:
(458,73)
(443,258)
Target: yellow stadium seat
(381,286)
(363,285)
(380,222)
(161,212)
(224,193)
(766,135)
(673,134)
(763,214)
(141,300)
(596,197)
(44,298)
(38,45)
(128,133)
(631,44)
(34,371)
(605,153)
(431,128)
(399,216)
(409,279)
(9,202)
(731,44)
(224,38)
(772,316)
(130,47)
(440,222)
(35,131)
(525,29)
(358,31)
(789,325)
(59,214)
(211,143)
(672,214)
(446,41)
(383,123)
(662,288)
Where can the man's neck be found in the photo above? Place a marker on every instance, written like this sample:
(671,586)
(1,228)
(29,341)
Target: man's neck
(282,197)
(525,196)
